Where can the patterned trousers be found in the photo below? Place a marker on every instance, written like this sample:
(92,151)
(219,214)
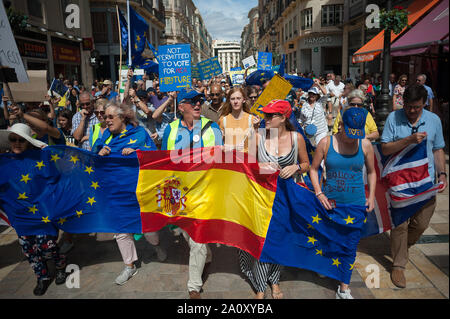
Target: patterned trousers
(39,248)
(259,273)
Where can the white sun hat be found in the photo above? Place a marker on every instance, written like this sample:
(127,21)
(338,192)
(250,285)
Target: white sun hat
(22,130)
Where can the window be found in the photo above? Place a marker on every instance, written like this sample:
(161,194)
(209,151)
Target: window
(99,27)
(290,29)
(306,19)
(35,8)
(332,15)
(286,31)
(168,26)
(294,26)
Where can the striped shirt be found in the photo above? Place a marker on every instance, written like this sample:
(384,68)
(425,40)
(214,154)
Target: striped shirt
(88,124)
(289,159)
(314,115)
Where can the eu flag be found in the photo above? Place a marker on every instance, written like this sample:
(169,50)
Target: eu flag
(138,33)
(71,189)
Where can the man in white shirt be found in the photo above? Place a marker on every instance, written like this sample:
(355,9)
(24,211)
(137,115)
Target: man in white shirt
(335,90)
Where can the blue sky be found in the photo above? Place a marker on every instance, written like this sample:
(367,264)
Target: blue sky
(225,19)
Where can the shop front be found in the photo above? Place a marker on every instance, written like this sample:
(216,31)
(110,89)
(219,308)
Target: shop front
(321,54)
(33,53)
(67,59)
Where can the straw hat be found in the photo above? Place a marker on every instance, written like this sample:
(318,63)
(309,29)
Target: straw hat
(22,130)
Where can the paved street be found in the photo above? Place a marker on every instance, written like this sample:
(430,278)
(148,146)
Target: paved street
(100,262)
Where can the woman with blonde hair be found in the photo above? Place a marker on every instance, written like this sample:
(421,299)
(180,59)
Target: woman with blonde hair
(397,99)
(356,99)
(236,122)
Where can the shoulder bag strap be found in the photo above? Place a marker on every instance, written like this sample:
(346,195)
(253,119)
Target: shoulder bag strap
(204,128)
(325,159)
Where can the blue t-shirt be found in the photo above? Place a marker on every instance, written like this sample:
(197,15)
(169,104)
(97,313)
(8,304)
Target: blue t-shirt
(398,127)
(430,94)
(185,136)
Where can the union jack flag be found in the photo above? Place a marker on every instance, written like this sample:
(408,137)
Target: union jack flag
(4,219)
(404,186)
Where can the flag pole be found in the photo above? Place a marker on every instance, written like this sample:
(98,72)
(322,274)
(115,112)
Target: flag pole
(120,48)
(129,33)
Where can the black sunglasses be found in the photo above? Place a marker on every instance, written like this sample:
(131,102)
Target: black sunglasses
(253,97)
(85,104)
(195,101)
(356,104)
(102,113)
(16,139)
(271,115)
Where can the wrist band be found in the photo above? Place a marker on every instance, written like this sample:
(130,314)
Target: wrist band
(318,194)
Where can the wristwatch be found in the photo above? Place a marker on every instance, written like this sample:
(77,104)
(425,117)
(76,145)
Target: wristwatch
(443,173)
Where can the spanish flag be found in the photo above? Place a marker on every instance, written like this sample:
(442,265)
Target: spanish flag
(213,201)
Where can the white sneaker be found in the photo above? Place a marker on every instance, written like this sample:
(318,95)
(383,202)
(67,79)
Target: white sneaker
(160,253)
(343,294)
(126,274)
(65,247)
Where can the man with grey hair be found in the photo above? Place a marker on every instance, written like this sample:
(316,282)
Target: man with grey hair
(422,79)
(84,120)
(335,89)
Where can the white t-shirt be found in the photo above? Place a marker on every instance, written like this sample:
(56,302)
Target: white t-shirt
(335,89)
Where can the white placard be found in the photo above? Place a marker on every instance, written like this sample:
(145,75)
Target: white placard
(248,62)
(9,54)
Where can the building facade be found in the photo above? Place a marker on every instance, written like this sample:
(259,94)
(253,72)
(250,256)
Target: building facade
(250,34)
(308,32)
(184,24)
(53,41)
(106,33)
(228,53)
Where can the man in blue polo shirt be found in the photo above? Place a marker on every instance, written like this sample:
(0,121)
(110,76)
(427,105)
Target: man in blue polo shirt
(421,79)
(411,125)
(192,131)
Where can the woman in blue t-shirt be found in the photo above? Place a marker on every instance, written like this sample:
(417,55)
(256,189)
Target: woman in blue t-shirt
(345,155)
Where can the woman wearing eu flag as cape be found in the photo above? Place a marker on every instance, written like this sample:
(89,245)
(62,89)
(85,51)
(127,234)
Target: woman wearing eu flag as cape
(124,136)
(345,155)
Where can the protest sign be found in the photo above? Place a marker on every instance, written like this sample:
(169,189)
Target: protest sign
(249,62)
(264,61)
(137,75)
(195,74)
(9,54)
(277,89)
(209,68)
(237,77)
(236,69)
(34,90)
(174,67)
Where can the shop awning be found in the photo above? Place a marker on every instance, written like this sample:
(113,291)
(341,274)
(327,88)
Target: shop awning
(430,30)
(375,46)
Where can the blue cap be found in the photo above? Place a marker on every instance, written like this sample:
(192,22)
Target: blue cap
(188,94)
(354,120)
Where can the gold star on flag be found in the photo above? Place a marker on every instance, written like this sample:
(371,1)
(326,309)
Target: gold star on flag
(312,240)
(74,159)
(365,220)
(32,209)
(46,220)
(55,157)
(319,252)
(309,226)
(316,219)
(132,141)
(79,213)
(89,170)
(62,221)
(91,200)
(25,178)
(22,196)
(40,164)
(349,220)
(138,38)
(94,185)
(351,266)
(336,262)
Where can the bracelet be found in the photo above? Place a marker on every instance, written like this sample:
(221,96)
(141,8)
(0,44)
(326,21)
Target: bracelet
(318,194)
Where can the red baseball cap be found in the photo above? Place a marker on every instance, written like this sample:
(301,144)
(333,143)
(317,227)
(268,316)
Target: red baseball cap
(278,106)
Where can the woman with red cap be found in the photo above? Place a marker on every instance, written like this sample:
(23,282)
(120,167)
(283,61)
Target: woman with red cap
(279,147)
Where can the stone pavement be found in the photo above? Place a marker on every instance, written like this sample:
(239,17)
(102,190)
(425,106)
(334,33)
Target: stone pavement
(100,262)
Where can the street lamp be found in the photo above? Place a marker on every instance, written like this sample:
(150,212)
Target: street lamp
(383,105)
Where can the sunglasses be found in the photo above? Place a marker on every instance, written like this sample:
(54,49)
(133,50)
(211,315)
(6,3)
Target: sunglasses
(195,101)
(269,116)
(253,97)
(102,113)
(16,139)
(356,104)
(85,104)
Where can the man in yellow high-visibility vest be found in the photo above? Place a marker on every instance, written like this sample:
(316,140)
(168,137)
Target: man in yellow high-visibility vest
(181,134)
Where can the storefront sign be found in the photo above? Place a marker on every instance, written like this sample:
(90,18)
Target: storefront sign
(318,40)
(31,49)
(66,53)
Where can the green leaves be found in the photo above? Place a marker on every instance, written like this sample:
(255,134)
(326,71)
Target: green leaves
(17,20)
(394,20)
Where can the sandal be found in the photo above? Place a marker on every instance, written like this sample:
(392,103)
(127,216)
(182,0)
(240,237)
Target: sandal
(276,293)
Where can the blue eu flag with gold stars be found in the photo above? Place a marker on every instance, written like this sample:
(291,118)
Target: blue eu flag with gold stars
(71,189)
(302,233)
